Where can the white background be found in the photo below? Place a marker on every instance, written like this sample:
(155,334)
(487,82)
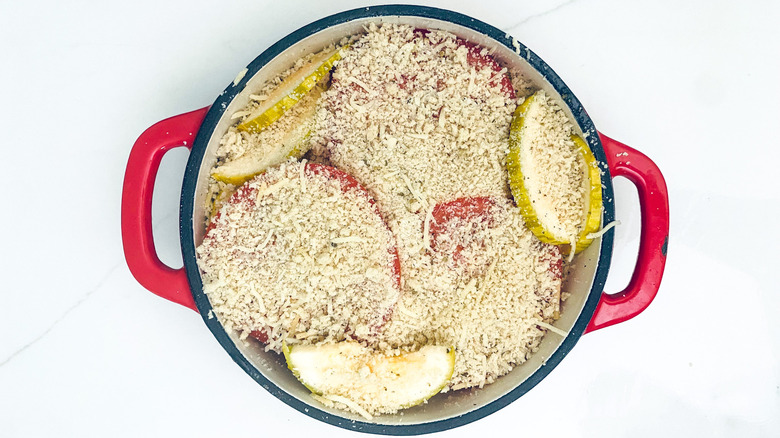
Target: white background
(86,351)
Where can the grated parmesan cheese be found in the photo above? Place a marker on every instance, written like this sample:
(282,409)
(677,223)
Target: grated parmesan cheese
(415,121)
(270,263)
(553,169)
(350,404)
(240,76)
(552,328)
(441,132)
(601,232)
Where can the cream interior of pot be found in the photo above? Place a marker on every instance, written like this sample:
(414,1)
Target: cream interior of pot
(452,404)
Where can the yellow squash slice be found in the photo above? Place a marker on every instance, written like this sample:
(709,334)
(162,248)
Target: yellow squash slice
(594,204)
(294,144)
(217,199)
(367,381)
(534,204)
(289,92)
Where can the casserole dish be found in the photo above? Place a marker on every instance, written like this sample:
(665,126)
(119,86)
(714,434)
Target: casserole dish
(586,309)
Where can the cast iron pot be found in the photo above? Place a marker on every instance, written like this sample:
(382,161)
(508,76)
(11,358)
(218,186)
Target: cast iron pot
(587,309)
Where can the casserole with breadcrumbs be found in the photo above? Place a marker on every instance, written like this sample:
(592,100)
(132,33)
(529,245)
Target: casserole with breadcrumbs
(395,214)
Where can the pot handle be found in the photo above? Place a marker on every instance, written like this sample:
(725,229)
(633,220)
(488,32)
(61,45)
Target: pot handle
(654,238)
(137,189)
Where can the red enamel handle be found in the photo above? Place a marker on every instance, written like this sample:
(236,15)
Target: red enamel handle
(654,207)
(141,172)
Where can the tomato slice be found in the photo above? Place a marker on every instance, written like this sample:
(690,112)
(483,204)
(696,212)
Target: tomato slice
(554,258)
(260,335)
(244,194)
(213,223)
(452,227)
(469,209)
(247,195)
(350,184)
(478,57)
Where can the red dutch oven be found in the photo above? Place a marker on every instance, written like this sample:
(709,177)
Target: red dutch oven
(587,309)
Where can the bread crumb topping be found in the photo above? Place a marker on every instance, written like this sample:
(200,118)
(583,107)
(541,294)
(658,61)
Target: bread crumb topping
(554,172)
(425,129)
(300,255)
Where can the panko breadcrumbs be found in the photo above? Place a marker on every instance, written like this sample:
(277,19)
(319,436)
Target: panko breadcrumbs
(554,171)
(417,122)
(276,262)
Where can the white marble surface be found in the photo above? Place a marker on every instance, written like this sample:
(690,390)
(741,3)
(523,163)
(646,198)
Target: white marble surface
(86,351)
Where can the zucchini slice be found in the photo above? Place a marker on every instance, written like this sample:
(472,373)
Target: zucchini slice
(372,381)
(533,166)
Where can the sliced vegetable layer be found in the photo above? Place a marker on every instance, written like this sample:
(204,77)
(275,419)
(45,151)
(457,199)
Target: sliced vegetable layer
(294,144)
(301,252)
(480,58)
(304,87)
(371,382)
(593,218)
(553,175)
(454,229)
(292,90)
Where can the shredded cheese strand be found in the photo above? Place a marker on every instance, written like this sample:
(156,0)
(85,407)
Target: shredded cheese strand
(401,308)
(601,232)
(427,229)
(362,85)
(552,328)
(265,242)
(239,114)
(355,106)
(417,195)
(573,248)
(270,190)
(350,404)
(323,400)
(240,76)
(301,176)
